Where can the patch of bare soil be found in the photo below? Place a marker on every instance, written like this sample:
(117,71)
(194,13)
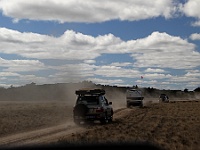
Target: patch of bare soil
(170,126)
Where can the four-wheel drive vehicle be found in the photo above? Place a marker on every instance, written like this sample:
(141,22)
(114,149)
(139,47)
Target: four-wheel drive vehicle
(91,105)
(164,98)
(134,97)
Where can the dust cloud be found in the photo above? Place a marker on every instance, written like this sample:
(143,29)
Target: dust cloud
(117,97)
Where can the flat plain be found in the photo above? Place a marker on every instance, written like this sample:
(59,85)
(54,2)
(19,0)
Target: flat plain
(171,126)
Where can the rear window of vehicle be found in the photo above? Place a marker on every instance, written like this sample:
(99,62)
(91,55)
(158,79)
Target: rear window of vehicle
(89,100)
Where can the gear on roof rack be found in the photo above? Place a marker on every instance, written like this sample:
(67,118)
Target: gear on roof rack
(90,91)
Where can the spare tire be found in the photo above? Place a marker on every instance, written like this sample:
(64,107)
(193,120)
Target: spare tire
(80,110)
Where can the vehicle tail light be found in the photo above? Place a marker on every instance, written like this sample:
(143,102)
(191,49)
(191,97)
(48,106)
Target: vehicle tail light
(99,109)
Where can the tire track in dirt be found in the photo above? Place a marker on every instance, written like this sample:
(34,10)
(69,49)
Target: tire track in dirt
(51,134)
(137,112)
(167,125)
(140,112)
(27,136)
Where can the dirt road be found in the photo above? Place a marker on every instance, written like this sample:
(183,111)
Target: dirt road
(170,126)
(41,136)
(49,135)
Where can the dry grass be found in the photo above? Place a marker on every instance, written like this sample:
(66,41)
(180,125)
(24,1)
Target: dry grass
(16,117)
(167,125)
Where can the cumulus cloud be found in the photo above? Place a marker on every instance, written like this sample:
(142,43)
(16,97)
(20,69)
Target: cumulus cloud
(114,71)
(75,70)
(89,61)
(106,81)
(21,65)
(195,36)
(157,76)
(88,10)
(69,46)
(8,74)
(163,51)
(193,73)
(191,9)
(123,64)
(154,70)
(160,50)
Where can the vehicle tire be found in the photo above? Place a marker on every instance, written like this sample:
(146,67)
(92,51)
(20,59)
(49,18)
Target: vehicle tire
(110,119)
(104,119)
(128,105)
(141,105)
(80,110)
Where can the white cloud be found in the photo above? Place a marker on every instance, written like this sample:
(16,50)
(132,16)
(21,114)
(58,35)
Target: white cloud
(193,74)
(191,9)
(195,36)
(69,46)
(197,23)
(8,74)
(154,70)
(75,70)
(106,81)
(114,71)
(89,61)
(184,78)
(163,51)
(160,50)
(189,80)
(157,76)
(21,65)
(87,10)
(123,64)
(151,82)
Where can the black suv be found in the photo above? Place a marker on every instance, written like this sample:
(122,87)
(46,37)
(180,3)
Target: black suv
(91,105)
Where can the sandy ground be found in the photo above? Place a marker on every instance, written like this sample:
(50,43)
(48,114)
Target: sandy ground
(167,125)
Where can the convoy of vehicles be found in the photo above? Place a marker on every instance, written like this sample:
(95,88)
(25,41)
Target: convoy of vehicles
(91,105)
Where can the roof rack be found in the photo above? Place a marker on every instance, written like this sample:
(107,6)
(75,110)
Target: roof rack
(90,91)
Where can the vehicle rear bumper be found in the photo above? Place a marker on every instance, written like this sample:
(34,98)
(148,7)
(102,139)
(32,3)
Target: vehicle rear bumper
(135,102)
(89,117)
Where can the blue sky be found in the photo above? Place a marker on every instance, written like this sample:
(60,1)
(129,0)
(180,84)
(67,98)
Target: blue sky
(107,42)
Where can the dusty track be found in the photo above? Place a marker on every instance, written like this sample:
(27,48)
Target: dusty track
(49,135)
(171,126)
(39,136)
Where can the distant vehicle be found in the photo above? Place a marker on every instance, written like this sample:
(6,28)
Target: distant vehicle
(134,97)
(164,98)
(91,105)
